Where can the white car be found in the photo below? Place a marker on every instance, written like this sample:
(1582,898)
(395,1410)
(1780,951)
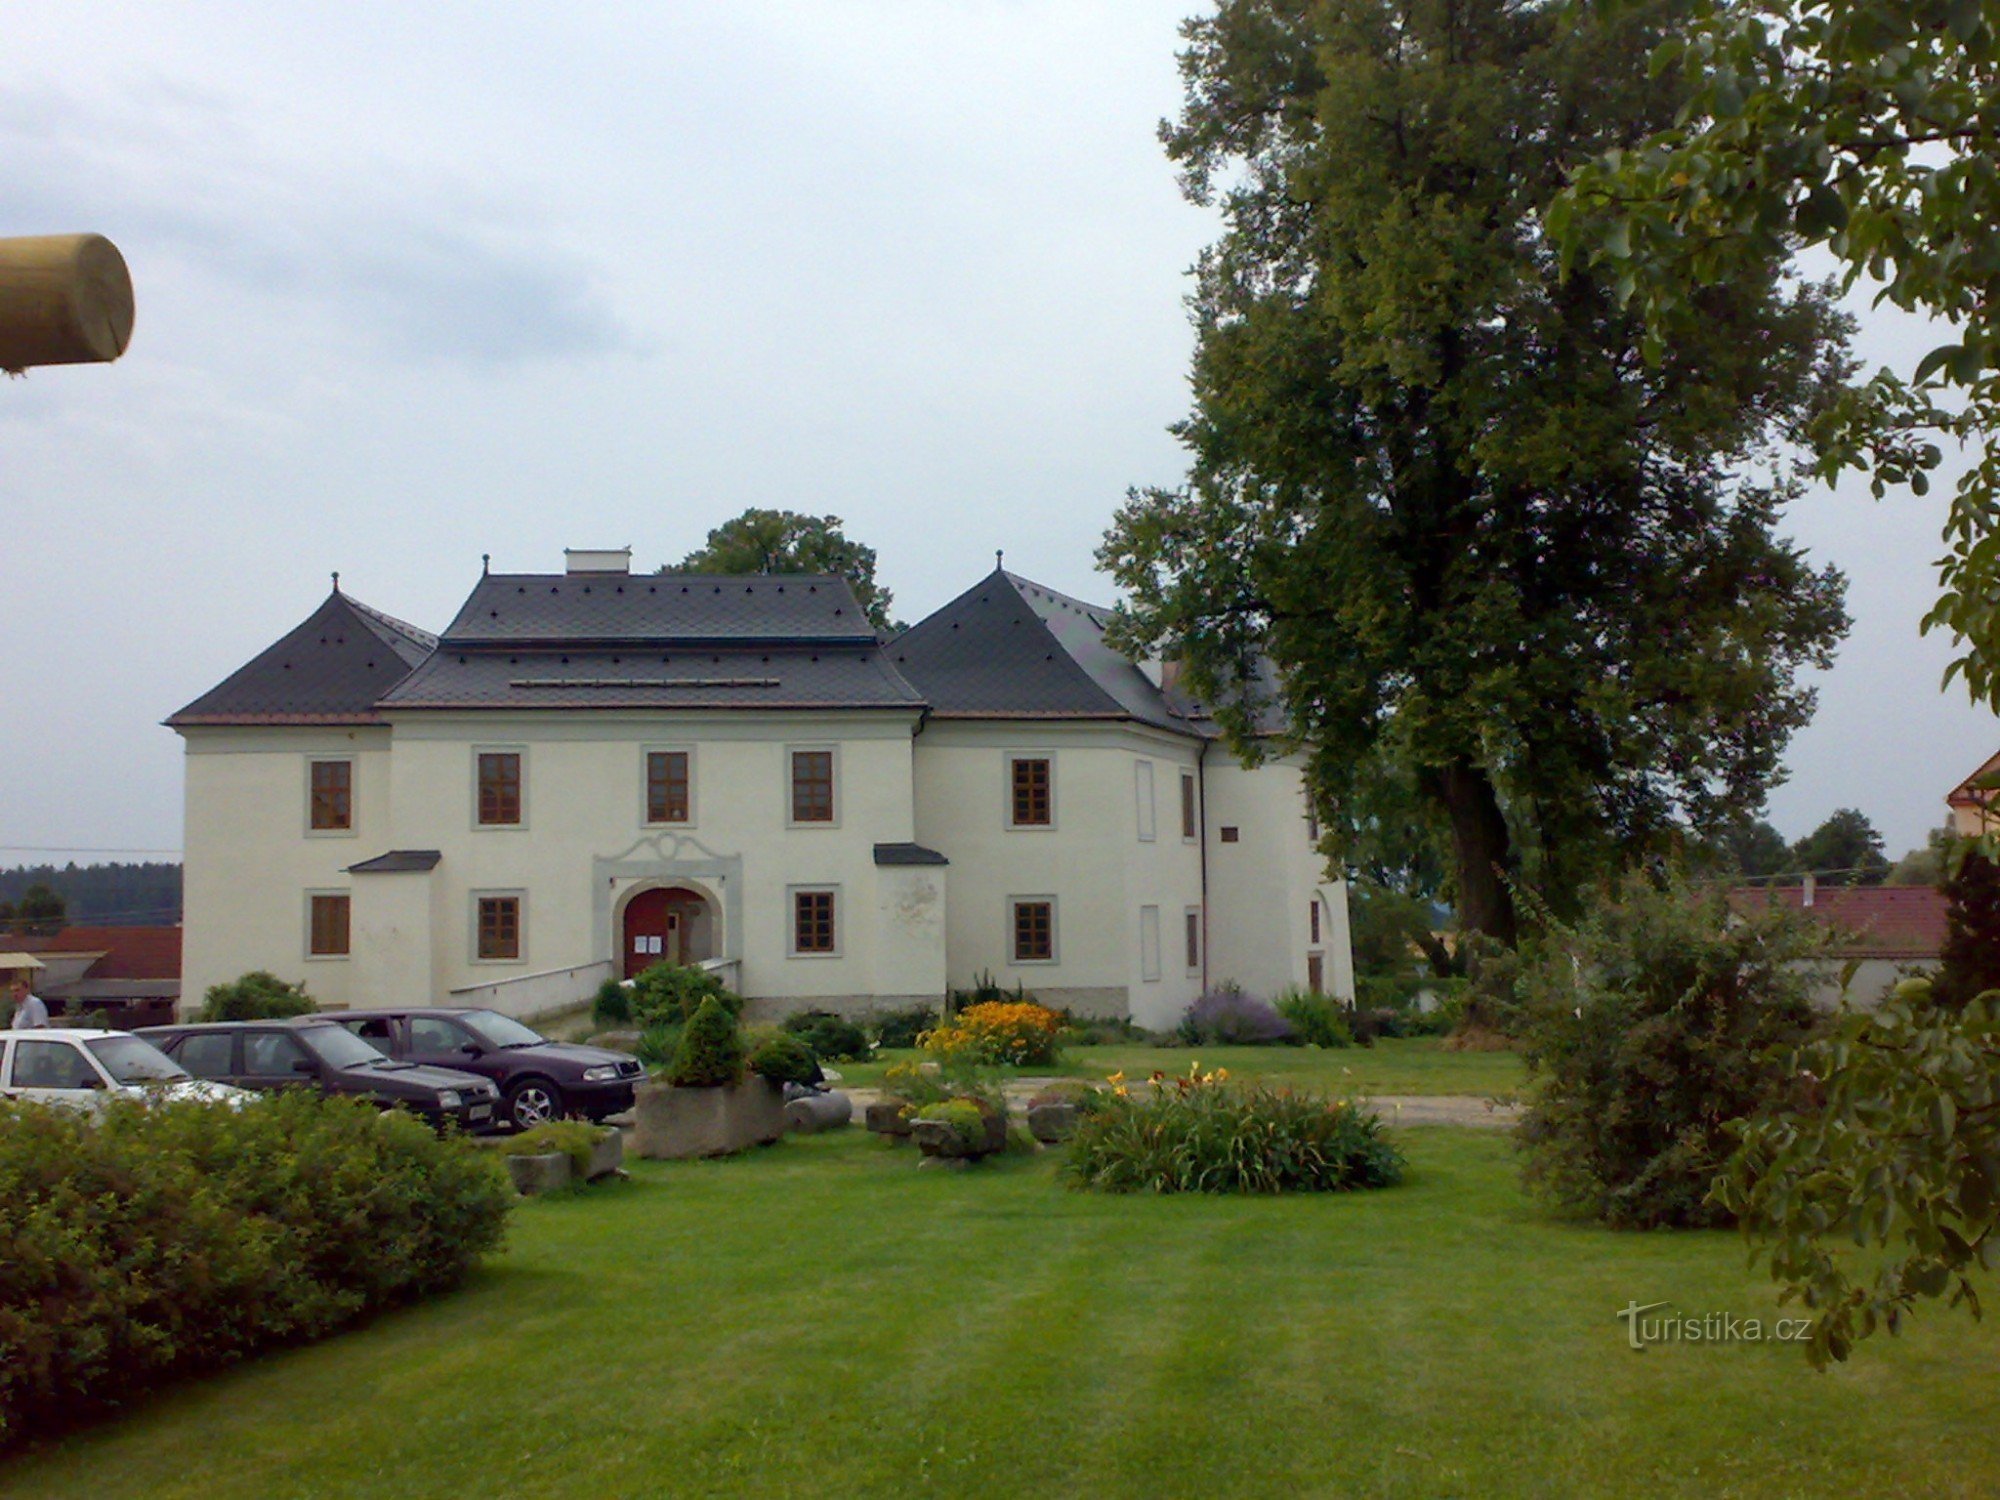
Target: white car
(81,1069)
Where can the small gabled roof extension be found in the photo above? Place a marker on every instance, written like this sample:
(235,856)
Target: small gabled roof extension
(1008,648)
(332,669)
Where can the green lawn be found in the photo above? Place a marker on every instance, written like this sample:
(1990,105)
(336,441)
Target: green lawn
(823,1318)
(1411,1065)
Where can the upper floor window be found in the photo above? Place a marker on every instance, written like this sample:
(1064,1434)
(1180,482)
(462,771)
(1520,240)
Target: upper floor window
(328,919)
(667,786)
(813,922)
(1312,818)
(1033,803)
(500,787)
(812,786)
(1034,936)
(1193,938)
(499,928)
(1187,805)
(1142,779)
(1313,918)
(331,800)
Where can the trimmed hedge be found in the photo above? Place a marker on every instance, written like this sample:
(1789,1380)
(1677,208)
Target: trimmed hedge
(161,1241)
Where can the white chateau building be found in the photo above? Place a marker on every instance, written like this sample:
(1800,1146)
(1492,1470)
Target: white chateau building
(594,770)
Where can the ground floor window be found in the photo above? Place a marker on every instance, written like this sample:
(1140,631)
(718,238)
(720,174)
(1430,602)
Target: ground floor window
(499,928)
(326,935)
(1034,924)
(1149,944)
(1316,973)
(1193,922)
(813,922)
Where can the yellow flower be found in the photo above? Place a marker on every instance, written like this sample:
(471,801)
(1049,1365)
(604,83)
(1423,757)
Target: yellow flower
(1222,1075)
(1118,1077)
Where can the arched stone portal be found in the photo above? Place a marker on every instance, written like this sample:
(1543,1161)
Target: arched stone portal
(665,924)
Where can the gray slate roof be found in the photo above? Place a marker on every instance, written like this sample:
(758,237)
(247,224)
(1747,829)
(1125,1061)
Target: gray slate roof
(332,669)
(908,854)
(848,676)
(398,862)
(1008,648)
(688,609)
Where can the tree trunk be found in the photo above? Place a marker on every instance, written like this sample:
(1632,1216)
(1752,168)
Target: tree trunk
(1481,849)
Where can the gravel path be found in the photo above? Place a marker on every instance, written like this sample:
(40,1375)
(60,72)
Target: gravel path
(1398,1109)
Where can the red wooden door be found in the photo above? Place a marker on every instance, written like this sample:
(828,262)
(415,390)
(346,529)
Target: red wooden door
(652,930)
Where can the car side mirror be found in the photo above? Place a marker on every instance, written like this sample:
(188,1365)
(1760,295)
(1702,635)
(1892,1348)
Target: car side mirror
(473,1049)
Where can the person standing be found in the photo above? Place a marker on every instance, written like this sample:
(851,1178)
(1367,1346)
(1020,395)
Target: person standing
(30,1013)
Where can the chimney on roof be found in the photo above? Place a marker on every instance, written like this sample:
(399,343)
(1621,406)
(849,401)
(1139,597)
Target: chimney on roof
(1807,899)
(597,559)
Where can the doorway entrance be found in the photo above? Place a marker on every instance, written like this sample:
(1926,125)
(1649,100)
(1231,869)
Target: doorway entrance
(666,925)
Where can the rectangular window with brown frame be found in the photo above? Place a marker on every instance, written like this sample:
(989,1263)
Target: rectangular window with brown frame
(667,786)
(327,937)
(813,922)
(1313,915)
(1034,932)
(812,786)
(1033,792)
(332,796)
(1187,805)
(499,927)
(499,788)
(1315,974)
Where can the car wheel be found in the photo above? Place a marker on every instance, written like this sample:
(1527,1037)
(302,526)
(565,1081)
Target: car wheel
(532,1102)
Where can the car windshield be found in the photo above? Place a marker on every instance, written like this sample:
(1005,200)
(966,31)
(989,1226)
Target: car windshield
(130,1060)
(338,1047)
(497,1030)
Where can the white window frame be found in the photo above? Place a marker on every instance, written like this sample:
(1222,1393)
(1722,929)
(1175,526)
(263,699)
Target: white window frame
(526,805)
(646,753)
(1014,960)
(520,896)
(1007,793)
(819,888)
(1148,807)
(803,747)
(306,937)
(353,828)
(1149,945)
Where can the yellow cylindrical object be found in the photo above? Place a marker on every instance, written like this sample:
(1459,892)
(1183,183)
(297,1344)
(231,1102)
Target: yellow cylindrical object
(65,299)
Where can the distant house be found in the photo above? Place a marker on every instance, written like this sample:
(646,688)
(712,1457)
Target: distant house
(1885,931)
(122,976)
(1975,809)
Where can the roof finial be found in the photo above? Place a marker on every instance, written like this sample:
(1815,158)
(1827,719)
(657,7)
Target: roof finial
(999,559)
(485,563)
(336,580)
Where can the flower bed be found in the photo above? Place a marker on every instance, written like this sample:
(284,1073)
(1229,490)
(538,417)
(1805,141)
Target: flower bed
(1203,1134)
(1005,1033)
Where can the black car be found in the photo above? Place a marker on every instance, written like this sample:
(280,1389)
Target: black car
(539,1080)
(317,1053)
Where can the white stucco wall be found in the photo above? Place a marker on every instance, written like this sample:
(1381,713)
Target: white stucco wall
(250,860)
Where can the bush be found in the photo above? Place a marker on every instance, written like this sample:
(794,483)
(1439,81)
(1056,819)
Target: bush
(1318,1020)
(1202,1134)
(711,1049)
(657,1045)
(576,1139)
(163,1241)
(832,1038)
(612,1005)
(670,994)
(967,1120)
(784,1058)
(1012,1034)
(1230,1018)
(902,1028)
(1101,1031)
(986,990)
(1652,1026)
(258,996)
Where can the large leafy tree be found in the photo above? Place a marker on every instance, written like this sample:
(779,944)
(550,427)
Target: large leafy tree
(1513,576)
(784,541)
(1870,129)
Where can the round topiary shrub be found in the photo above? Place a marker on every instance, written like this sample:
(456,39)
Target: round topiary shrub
(785,1059)
(257,996)
(710,1054)
(832,1038)
(670,994)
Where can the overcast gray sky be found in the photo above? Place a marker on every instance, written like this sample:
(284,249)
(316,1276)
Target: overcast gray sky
(421,282)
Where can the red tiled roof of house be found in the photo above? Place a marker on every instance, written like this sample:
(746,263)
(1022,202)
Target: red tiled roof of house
(129,952)
(1881,921)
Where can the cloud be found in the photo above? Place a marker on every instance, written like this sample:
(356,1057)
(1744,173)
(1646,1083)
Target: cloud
(432,270)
